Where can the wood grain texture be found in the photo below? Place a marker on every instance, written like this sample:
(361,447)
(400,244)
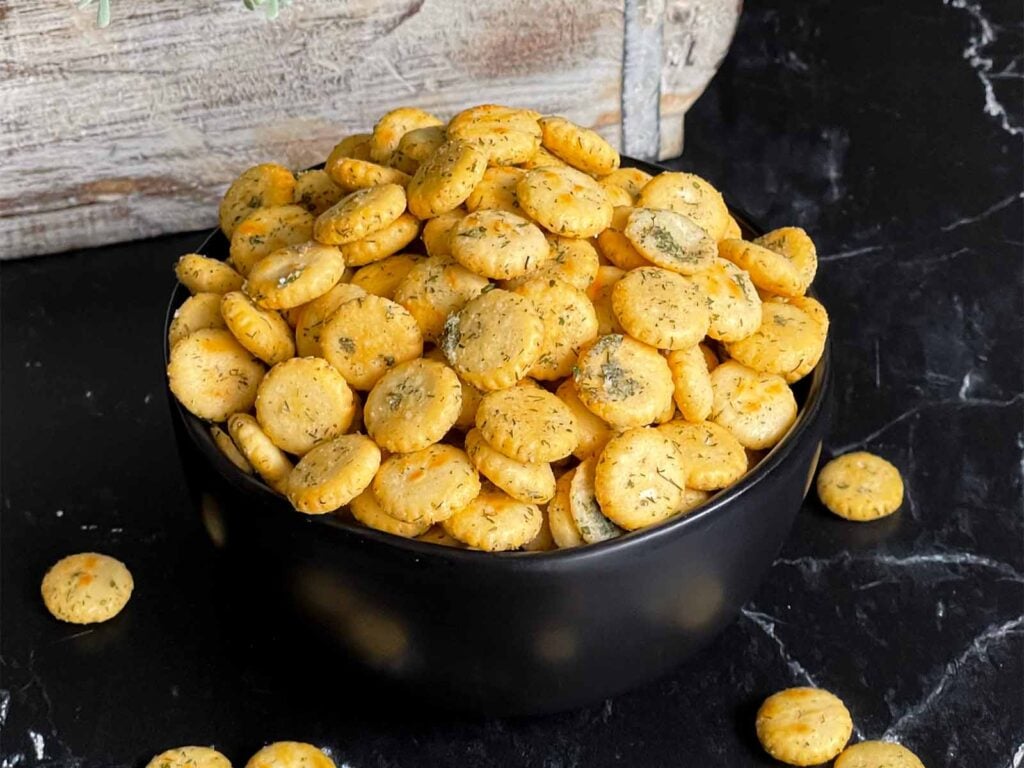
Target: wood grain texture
(135,130)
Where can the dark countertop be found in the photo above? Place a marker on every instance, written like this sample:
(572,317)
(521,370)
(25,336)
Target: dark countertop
(893,133)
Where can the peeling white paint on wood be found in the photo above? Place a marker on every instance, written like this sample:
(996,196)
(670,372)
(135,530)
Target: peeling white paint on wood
(134,130)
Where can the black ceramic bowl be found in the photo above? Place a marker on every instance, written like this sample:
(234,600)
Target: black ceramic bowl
(506,633)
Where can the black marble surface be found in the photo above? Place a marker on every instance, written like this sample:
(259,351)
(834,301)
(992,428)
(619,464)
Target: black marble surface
(893,132)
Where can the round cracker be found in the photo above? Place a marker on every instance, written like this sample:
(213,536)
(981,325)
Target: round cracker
(494,339)
(497,190)
(289,754)
(471,396)
(691,379)
(860,486)
(560,522)
(803,726)
(713,458)
(367,336)
(769,270)
(413,405)
(437,232)
(484,116)
(527,423)
(258,187)
(295,275)
(690,195)
(632,180)
(758,408)
(498,244)
(617,249)
(593,431)
(266,230)
(426,485)
(195,313)
(564,201)
(660,308)
(600,294)
(733,304)
(532,482)
(360,214)
(227,446)
(201,274)
(570,323)
(333,473)
(789,342)
(392,126)
(670,240)
(87,588)
(796,246)
(495,522)
(584,508)
(623,381)
(434,289)
(639,478)
(212,375)
(189,757)
(316,191)
(446,178)
(267,459)
(382,243)
(315,313)
(580,147)
(261,331)
(877,754)
(367,510)
(382,278)
(303,402)
(415,146)
(573,261)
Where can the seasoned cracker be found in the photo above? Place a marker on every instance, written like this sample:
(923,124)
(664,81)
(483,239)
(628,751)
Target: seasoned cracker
(227,446)
(367,336)
(586,512)
(303,402)
(351,174)
(803,726)
(360,214)
(733,304)
(494,339)
(437,231)
(201,274)
(261,331)
(445,179)
(416,146)
(660,308)
(495,522)
(413,405)
(295,275)
(632,180)
(367,510)
(333,473)
(434,289)
(690,195)
(573,261)
(712,456)
(758,408)
(315,313)
(580,147)
(789,342)
(670,240)
(559,515)
(426,485)
(382,278)
(564,201)
(639,478)
(212,375)
(289,754)
(316,191)
(87,588)
(497,190)
(860,486)
(600,293)
(624,381)
(692,381)
(189,757)
(261,186)
(259,450)
(570,323)
(195,314)
(532,482)
(527,424)
(877,754)
(498,244)
(592,430)
(266,230)
(393,126)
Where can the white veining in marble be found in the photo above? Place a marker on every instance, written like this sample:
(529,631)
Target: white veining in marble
(982,65)
(1018,758)
(978,646)
(994,208)
(841,255)
(38,744)
(957,559)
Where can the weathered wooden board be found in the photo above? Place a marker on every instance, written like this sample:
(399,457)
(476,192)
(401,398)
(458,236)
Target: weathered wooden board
(134,130)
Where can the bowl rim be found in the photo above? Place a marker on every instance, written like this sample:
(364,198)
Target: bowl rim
(813,407)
